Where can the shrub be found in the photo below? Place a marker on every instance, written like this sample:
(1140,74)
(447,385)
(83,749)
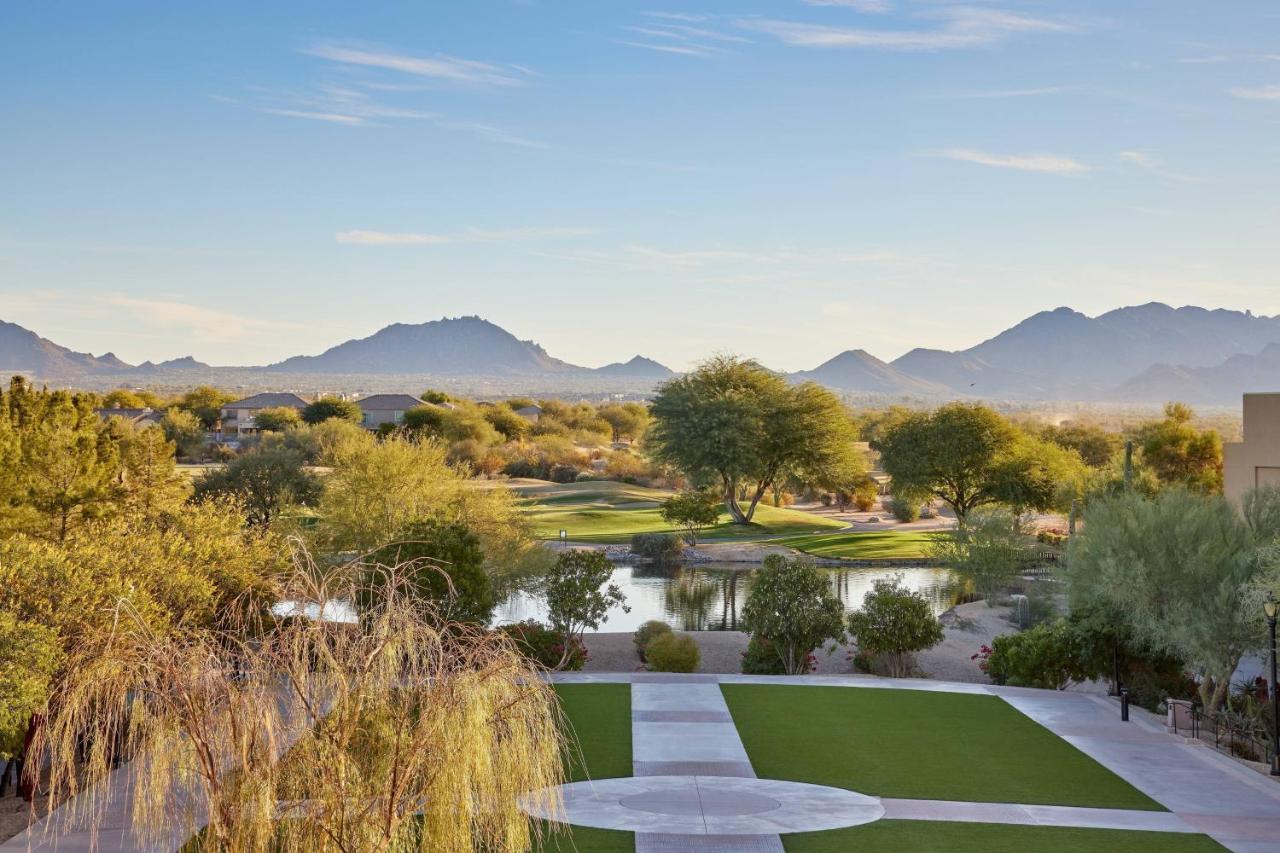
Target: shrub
(791,604)
(893,624)
(647,633)
(1052,537)
(1045,656)
(444,565)
(671,652)
(657,546)
(865,494)
(761,658)
(546,646)
(561,473)
(903,509)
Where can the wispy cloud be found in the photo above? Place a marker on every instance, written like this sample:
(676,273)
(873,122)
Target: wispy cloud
(673,33)
(1054,164)
(471,235)
(1030,92)
(959,27)
(205,323)
(876,6)
(332,118)
(441,67)
(1257,93)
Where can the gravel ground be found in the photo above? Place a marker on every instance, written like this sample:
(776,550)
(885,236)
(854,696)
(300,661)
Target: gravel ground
(966,629)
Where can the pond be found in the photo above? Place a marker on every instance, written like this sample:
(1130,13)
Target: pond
(709,596)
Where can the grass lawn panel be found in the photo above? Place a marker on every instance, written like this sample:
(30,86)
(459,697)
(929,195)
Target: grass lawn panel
(875,545)
(918,836)
(918,745)
(599,718)
(612,523)
(584,839)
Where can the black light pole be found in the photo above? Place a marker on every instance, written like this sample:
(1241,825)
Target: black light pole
(1270,606)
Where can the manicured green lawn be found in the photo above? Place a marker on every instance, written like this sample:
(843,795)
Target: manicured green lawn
(898,836)
(599,717)
(918,745)
(599,725)
(876,545)
(608,512)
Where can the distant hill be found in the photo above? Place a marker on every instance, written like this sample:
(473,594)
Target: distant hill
(859,371)
(638,367)
(184,363)
(1222,384)
(462,346)
(23,351)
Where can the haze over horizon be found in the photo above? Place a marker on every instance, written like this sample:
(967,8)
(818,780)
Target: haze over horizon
(784,179)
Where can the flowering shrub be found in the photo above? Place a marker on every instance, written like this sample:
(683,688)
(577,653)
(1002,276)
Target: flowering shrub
(544,645)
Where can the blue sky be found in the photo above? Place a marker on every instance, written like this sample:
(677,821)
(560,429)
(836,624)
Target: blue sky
(789,179)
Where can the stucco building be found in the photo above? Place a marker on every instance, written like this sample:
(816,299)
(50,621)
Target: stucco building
(1256,460)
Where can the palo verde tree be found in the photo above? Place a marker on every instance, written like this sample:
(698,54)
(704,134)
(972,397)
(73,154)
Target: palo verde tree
(733,423)
(1179,454)
(1181,569)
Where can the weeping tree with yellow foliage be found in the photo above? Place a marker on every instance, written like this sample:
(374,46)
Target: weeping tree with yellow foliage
(397,732)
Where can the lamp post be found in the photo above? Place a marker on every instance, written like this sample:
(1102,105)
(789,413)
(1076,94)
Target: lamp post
(1270,607)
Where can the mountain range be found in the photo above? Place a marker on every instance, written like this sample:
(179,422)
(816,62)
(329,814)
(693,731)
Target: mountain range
(1142,354)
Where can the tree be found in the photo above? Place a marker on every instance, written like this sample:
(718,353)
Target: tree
(792,607)
(988,552)
(1180,454)
(431,395)
(442,563)
(969,456)
(185,430)
(1097,447)
(277,419)
(376,490)
(626,420)
(893,624)
(30,654)
(149,482)
(325,408)
(1180,569)
(734,423)
(504,420)
(122,398)
(265,481)
(579,594)
(68,470)
(389,734)
(205,403)
(694,511)
(425,420)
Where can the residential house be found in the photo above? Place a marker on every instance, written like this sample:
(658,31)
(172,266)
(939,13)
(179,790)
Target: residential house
(530,413)
(137,417)
(381,409)
(237,417)
(1256,460)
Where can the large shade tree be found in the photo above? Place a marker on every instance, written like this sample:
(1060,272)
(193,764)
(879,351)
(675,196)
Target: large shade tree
(1181,570)
(969,456)
(733,423)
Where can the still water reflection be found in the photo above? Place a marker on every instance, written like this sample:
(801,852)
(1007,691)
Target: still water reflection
(709,597)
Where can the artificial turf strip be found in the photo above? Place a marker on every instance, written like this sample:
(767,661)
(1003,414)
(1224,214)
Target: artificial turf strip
(914,744)
(599,730)
(584,839)
(918,836)
(599,722)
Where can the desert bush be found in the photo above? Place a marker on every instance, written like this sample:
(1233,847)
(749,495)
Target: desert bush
(1046,656)
(865,494)
(671,652)
(657,546)
(903,509)
(546,646)
(647,633)
(761,658)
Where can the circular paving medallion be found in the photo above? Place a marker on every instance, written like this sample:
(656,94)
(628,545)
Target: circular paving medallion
(712,805)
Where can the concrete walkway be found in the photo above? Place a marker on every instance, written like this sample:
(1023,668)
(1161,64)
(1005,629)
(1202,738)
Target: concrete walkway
(681,726)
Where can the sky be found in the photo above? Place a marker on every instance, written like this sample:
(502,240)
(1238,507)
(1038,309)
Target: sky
(243,182)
